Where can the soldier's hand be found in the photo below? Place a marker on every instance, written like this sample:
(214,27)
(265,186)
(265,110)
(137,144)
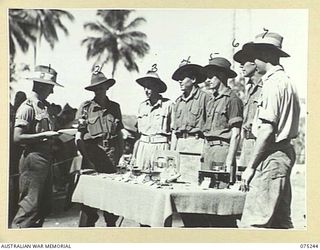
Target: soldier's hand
(246,178)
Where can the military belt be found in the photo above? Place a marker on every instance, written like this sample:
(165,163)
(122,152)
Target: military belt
(186,135)
(154,139)
(214,141)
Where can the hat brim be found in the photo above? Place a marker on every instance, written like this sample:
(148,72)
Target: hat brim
(44,81)
(109,82)
(152,83)
(252,47)
(230,73)
(243,56)
(193,69)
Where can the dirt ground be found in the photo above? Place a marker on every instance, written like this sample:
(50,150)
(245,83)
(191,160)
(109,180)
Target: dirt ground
(60,218)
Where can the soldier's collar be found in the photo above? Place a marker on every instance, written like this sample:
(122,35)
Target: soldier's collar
(195,93)
(158,103)
(97,105)
(225,92)
(270,72)
(35,99)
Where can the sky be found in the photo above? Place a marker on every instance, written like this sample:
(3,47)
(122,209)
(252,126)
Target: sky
(173,35)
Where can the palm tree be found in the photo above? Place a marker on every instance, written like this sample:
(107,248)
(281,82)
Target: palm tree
(116,41)
(21,28)
(31,25)
(47,21)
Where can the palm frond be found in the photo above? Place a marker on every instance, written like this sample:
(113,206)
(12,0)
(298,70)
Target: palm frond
(116,42)
(135,34)
(62,13)
(135,23)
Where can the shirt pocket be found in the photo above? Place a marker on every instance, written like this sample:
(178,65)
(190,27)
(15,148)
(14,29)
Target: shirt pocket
(194,114)
(220,119)
(112,124)
(94,126)
(176,123)
(209,120)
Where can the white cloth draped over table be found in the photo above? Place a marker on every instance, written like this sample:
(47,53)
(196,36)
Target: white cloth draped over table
(151,205)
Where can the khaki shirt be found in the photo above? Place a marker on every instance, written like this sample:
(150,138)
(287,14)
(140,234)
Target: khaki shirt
(96,121)
(34,117)
(251,103)
(279,104)
(223,112)
(156,119)
(190,112)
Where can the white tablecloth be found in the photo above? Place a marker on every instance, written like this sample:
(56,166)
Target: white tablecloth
(151,205)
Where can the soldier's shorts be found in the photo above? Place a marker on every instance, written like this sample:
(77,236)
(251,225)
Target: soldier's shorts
(214,154)
(104,160)
(268,201)
(35,190)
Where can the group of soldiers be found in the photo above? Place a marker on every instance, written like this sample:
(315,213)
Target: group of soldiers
(206,123)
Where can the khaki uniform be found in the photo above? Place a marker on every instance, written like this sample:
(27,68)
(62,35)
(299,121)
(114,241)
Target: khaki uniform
(250,108)
(224,111)
(269,198)
(99,127)
(154,125)
(35,166)
(189,120)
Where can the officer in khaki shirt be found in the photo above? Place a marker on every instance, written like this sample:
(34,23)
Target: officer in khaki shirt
(189,115)
(33,130)
(267,177)
(187,136)
(99,139)
(154,120)
(224,119)
(252,97)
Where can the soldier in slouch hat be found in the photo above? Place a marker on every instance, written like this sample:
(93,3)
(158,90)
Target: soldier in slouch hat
(253,92)
(267,176)
(33,129)
(99,139)
(224,119)
(154,120)
(188,123)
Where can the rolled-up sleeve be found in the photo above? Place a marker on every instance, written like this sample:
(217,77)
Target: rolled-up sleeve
(269,107)
(24,116)
(235,110)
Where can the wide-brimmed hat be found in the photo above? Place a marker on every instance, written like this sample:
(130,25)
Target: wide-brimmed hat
(220,64)
(244,55)
(266,41)
(152,80)
(67,109)
(188,69)
(99,78)
(44,74)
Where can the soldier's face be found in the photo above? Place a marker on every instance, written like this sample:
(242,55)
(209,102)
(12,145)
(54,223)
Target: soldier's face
(186,84)
(213,81)
(101,90)
(149,92)
(261,66)
(248,69)
(44,90)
